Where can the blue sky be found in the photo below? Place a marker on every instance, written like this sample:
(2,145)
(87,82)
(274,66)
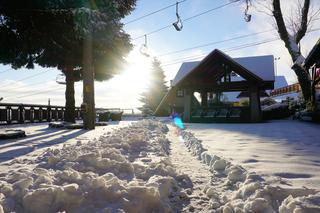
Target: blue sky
(124,90)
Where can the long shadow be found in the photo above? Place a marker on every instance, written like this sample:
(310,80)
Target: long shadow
(25,141)
(43,131)
(11,154)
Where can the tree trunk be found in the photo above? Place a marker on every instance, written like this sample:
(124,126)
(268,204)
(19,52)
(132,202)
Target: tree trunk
(304,81)
(70,102)
(291,43)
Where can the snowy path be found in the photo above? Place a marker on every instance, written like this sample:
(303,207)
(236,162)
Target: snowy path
(199,173)
(285,152)
(233,189)
(40,137)
(125,170)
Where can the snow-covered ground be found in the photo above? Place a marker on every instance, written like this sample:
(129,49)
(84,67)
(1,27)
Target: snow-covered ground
(39,137)
(124,170)
(147,166)
(285,151)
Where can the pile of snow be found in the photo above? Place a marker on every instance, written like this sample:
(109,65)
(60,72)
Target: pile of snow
(124,171)
(234,190)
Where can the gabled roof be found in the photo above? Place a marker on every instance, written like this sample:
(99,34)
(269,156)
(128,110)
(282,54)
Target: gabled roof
(259,66)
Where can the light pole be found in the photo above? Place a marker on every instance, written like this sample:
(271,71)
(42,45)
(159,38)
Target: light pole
(276,64)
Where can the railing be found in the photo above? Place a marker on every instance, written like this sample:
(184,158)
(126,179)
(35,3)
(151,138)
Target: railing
(11,113)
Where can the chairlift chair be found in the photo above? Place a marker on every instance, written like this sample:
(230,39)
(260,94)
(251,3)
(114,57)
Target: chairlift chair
(144,48)
(247,17)
(61,79)
(178,25)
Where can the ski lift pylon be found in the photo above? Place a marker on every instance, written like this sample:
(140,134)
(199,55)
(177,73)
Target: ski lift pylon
(178,25)
(144,47)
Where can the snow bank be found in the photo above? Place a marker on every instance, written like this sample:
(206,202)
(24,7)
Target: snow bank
(232,189)
(127,170)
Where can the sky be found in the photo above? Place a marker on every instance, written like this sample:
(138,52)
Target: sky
(123,91)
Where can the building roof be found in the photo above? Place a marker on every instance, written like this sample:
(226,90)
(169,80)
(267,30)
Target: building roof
(261,66)
(280,81)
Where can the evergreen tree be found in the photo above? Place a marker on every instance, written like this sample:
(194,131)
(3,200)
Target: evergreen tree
(156,90)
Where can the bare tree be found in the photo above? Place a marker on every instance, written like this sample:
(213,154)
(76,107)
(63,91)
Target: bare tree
(291,30)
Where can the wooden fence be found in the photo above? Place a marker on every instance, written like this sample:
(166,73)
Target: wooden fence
(29,113)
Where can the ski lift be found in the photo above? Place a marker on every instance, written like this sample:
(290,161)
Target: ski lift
(178,25)
(61,79)
(144,48)
(247,17)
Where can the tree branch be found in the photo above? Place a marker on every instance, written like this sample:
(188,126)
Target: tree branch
(304,21)
(282,30)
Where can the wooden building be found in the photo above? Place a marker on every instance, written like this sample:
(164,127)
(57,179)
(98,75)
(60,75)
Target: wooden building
(215,74)
(312,64)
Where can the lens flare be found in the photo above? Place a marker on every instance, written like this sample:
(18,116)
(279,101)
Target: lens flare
(178,122)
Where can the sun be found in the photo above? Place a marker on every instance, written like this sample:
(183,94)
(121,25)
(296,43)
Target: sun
(137,72)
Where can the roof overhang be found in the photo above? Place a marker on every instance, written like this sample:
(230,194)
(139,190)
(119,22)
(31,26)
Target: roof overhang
(313,57)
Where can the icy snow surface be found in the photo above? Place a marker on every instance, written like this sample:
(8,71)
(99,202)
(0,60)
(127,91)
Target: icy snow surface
(126,170)
(285,151)
(234,189)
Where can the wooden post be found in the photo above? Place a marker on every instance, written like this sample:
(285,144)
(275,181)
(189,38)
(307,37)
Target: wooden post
(88,85)
(255,108)
(187,106)
(204,99)
(21,114)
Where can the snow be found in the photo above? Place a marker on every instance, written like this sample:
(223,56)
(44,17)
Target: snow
(262,66)
(148,166)
(106,174)
(284,152)
(232,188)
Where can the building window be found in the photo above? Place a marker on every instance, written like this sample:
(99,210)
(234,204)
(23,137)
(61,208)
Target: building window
(180,93)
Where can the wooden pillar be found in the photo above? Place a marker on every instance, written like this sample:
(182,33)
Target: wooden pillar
(255,108)
(204,99)
(187,105)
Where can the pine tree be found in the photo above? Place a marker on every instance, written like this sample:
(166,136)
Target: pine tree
(156,90)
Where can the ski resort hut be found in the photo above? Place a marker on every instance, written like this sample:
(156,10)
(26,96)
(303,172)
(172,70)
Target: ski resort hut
(201,90)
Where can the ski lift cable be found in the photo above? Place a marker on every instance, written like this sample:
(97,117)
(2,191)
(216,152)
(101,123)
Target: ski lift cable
(30,94)
(37,93)
(28,85)
(221,41)
(215,42)
(225,50)
(210,10)
(154,12)
(27,92)
(29,77)
(187,19)
(195,57)
(243,46)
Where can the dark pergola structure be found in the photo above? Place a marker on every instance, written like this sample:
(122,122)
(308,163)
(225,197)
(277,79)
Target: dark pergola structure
(213,75)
